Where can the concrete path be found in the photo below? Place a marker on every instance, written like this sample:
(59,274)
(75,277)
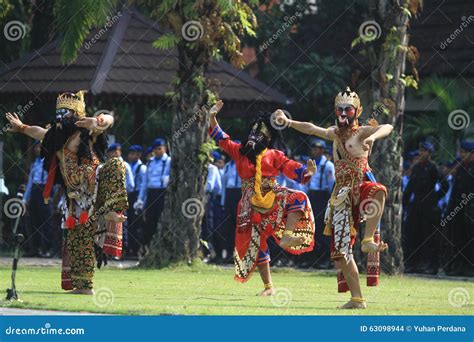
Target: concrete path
(31,312)
(6,261)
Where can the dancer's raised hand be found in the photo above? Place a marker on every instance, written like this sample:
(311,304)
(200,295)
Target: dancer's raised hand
(279,118)
(14,121)
(213,112)
(311,167)
(216,108)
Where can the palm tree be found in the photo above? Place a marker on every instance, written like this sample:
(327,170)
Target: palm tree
(200,30)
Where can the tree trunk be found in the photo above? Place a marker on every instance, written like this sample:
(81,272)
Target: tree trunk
(177,238)
(389,94)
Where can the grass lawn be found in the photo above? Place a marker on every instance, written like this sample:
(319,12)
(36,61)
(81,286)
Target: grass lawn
(209,290)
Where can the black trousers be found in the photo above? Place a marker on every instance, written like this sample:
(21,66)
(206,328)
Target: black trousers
(153,208)
(134,224)
(40,218)
(227,229)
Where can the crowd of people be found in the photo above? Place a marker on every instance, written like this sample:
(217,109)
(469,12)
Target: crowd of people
(437,208)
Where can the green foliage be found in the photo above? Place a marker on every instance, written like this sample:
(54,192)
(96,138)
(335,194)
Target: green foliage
(75,19)
(166,41)
(435,124)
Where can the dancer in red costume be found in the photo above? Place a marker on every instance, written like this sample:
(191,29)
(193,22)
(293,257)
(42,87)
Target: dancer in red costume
(356,195)
(266,208)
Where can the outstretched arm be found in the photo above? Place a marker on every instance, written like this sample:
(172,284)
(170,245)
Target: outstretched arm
(213,113)
(35,132)
(304,127)
(373,133)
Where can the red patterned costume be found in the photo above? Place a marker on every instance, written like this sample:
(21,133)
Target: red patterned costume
(353,194)
(255,225)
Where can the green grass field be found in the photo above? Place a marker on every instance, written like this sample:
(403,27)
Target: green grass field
(208,290)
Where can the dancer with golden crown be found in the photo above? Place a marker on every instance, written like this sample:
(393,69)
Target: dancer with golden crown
(73,146)
(266,208)
(356,195)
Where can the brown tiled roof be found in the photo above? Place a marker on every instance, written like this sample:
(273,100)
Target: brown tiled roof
(122,62)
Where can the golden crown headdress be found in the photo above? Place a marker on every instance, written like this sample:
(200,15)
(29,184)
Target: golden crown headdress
(73,102)
(349,97)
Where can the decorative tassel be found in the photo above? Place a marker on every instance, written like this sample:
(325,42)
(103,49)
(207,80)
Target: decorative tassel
(70,222)
(84,217)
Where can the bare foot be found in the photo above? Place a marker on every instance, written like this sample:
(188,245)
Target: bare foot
(291,241)
(267,292)
(371,246)
(353,305)
(89,292)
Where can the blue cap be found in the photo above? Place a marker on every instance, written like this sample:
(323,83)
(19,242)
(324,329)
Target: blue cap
(148,150)
(406,164)
(467,145)
(216,155)
(158,142)
(413,154)
(114,147)
(427,146)
(237,141)
(304,158)
(135,148)
(36,142)
(318,143)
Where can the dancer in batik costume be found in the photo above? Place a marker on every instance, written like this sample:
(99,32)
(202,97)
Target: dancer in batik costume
(356,195)
(266,209)
(74,150)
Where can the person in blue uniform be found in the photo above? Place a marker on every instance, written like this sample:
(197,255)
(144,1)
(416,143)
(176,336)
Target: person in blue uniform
(231,194)
(134,218)
(319,191)
(40,234)
(151,197)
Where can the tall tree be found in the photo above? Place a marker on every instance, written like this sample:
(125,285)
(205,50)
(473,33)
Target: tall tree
(388,55)
(200,31)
